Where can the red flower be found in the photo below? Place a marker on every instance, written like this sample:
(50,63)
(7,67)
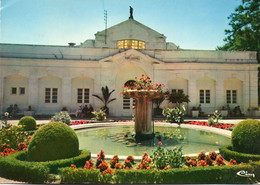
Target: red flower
(103,166)
(73,166)
(160,143)
(108,171)
(142,75)
(219,160)
(156,85)
(232,162)
(201,155)
(202,163)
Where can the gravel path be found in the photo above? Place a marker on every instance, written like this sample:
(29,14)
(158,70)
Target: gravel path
(7,181)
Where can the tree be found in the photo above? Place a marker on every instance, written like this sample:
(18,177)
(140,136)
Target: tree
(244,34)
(178,98)
(105,98)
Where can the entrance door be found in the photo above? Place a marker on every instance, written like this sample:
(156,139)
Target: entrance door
(128,103)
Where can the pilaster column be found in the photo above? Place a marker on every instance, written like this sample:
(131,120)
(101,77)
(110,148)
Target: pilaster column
(66,92)
(245,94)
(193,93)
(220,94)
(33,92)
(253,89)
(97,89)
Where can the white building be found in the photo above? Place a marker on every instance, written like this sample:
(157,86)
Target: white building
(51,77)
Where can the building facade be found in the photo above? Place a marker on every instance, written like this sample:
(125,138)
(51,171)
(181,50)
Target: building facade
(48,78)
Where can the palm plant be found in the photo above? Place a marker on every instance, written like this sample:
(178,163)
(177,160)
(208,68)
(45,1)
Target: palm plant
(105,98)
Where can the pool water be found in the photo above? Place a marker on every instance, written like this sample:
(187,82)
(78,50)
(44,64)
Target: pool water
(119,140)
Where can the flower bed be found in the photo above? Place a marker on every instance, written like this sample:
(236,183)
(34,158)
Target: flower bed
(219,125)
(160,168)
(222,172)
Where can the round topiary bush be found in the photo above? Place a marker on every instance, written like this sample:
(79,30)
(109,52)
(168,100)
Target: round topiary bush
(28,123)
(53,141)
(246,137)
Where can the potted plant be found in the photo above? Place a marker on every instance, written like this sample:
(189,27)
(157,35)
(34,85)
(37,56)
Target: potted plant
(29,111)
(224,111)
(256,112)
(195,112)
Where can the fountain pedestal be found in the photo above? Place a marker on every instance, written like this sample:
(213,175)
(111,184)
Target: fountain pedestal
(143,111)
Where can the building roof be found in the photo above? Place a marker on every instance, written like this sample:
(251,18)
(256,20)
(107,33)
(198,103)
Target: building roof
(131,22)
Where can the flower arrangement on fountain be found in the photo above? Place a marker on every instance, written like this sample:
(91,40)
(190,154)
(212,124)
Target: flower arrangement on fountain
(144,85)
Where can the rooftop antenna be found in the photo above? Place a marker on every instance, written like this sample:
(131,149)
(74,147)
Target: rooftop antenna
(105,21)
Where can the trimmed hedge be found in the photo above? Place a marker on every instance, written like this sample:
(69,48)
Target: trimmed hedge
(14,169)
(196,175)
(28,123)
(246,137)
(17,167)
(53,141)
(227,152)
(79,175)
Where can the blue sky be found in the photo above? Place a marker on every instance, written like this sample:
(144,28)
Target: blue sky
(190,24)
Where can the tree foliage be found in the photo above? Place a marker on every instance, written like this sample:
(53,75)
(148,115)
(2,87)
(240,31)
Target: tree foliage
(245,25)
(105,98)
(178,98)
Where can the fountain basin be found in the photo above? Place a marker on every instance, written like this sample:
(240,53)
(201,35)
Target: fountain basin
(118,139)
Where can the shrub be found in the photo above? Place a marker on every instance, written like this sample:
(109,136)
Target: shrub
(99,115)
(27,123)
(163,159)
(213,120)
(246,137)
(227,152)
(174,115)
(53,141)
(63,117)
(12,136)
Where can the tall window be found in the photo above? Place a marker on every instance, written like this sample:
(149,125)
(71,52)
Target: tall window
(231,96)
(22,90)
(51,95)
(134,44)
(176,90)
(204,96)
(83,95)
(13,90)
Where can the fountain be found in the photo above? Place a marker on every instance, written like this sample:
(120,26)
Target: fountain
(143,91)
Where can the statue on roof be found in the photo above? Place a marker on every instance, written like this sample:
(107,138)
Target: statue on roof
(131,13)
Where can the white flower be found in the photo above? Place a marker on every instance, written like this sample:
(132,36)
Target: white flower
(6,114)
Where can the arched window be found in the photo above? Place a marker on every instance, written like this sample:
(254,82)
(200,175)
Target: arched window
(131,44)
